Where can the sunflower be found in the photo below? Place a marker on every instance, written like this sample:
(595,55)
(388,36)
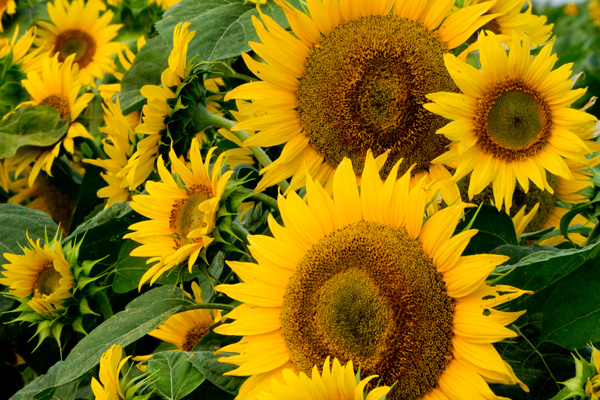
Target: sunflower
(78,29)
(360,277)
(57,86)
(181,218)
(7,7)
(20,47)
(592,386)
(42,272)
(118,146)
(185,329)
(352,78)
(333,383)
(512,120)
(126,58)
(111,364)
(594,10)
(157,109)
(511,20)
(571,9)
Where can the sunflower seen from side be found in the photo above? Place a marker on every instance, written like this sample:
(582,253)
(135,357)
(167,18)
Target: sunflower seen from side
(80,29)
(111,364)
(351,77)
(512,121)
(360,277)
(335,382)
(182,216)
(57,86)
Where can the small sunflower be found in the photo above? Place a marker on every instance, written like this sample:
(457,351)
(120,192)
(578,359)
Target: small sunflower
(571,9)
(8,7)
(182,218)
(360,277)
(111,364)
(185,329)
(118,146)
(592,386)
(43,272)
(512,122)
(57,86)
(352,78)
(335,382)
(78,29)
(594,10)
(157,109)
(20,46)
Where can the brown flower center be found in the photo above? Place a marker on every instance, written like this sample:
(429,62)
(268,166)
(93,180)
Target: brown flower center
(60,102)
(193,336)
(364,86)
(185,215)
(513,121)
(75,41)
(369,293)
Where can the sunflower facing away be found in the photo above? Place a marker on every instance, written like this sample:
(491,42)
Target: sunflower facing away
(78,29)
(185,329)
(512,121)
(110,370)
(57,86)
(181,218)
(337,382)
(352,78)
(156,110)
(360,277)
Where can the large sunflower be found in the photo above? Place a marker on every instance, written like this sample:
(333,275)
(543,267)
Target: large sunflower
(181,218)
(352,78)
(43,273)
(157,109)
(78,28)
(512,121)
(56,86)
(335,382)
(360,277)
(185,329)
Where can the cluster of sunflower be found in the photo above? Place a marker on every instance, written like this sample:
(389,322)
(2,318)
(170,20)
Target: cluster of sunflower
(299,199)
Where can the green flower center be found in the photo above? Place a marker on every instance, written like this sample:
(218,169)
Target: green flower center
(364,86)
(47,280)
(369,293)
(185,215)
(61,103)
(513,121)
(74,41)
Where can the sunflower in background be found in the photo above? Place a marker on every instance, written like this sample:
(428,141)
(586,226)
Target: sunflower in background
(57,86)
(126,58)
(79,29)
(594,10)
(337,381)
(512,121)
(353,78)
(361,277)
(182,216)
(7,7)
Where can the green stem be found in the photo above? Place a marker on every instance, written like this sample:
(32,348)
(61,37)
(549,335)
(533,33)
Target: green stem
(241,77)
(96,150)
(207,118)
(535,350)
(211,306)
(261,197)
(240,231)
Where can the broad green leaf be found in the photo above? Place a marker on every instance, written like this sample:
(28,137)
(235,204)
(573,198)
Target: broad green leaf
(174,375)
(495,229)
(571,314)
(207,363)
(104,232)
(142,315)
(223,27)
(39,126)
(541,271)
(16,222)
(149,63)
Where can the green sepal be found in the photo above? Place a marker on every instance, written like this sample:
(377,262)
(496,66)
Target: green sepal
(84,308)
(575,387)
(77,325)
(83,281)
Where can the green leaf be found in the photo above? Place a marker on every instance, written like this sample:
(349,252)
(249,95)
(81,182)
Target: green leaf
(223,27)
(495,229)
(142,315)
(88,200)
(207,363)
(148,65)
(16,221)
(572,311)
(31,126)
(104,232)
(542,271)
(175,376)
